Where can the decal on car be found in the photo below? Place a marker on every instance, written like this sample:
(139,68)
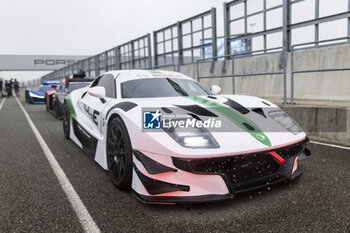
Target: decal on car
(88,142)
(70,106)
(232,114)
(125,106)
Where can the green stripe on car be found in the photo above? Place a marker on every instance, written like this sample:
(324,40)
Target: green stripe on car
(70,106)
(236,117)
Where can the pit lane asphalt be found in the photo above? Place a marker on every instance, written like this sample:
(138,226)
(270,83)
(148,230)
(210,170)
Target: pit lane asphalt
(31,199)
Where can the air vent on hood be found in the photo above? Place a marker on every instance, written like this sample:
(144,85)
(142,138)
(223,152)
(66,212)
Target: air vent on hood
(167,110)
(194,116)
(265,103)
(248,126)
(236,106)
(259,111)
(198,110)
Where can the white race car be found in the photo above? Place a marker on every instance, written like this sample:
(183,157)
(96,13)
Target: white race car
(170,140)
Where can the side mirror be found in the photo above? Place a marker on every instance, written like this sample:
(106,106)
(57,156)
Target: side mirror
(99,92)
(215,89)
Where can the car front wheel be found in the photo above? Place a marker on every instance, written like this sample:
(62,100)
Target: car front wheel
(66,120)
(119,154)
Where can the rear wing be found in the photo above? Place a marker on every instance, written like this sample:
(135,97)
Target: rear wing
(80,80)
(51,82)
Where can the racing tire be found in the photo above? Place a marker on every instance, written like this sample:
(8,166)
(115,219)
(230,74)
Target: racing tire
(119,154)
(57,111)
(47,106)
(66,121)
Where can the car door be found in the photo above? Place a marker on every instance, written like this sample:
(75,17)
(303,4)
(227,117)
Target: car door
(93,106)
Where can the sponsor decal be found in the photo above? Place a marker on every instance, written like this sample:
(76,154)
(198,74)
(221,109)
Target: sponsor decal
(236,117)
(158,74)
(84,132)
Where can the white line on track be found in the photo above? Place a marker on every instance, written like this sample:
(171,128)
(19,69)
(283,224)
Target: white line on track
(331,145)
(2,103)
(85,219)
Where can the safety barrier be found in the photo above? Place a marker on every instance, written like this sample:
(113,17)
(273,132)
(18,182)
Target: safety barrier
(232,75)
(318,43)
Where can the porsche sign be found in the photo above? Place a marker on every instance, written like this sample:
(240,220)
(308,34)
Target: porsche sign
(36,62)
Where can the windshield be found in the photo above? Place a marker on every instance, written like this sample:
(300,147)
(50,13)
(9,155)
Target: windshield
(74,86)
(161,87)
(44,88)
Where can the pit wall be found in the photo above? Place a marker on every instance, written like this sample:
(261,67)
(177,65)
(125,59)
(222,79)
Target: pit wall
(328,92)
(325,86)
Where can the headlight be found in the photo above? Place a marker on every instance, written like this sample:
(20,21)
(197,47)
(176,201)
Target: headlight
(285,121)
(35,96)
(192,137)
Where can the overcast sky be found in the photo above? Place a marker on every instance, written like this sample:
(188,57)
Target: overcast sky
(86,27)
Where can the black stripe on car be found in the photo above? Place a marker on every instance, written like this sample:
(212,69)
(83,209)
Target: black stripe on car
(94,116)
(88,142)
(236,106)
(155,187)
(259,111)
(125,106)
(152,167)
(198,110)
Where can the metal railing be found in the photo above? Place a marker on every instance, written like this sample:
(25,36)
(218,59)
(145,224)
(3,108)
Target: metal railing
(134,54)
(233,57)
(237,18)
(184,42)
(293,71)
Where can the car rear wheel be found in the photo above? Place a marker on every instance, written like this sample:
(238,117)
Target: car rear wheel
(119,154)
(66,120)
(57,110)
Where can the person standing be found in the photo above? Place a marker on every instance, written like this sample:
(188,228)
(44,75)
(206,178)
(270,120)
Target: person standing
(12,82)
(8,88)
(1,86)
(82,73)
(16,87)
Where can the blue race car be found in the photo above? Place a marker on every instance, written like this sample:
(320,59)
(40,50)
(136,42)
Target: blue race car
(38,96)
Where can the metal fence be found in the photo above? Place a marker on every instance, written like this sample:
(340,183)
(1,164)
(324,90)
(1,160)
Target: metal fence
(247,19)
(131,55)
(186,41)
(277,23)
(251,27)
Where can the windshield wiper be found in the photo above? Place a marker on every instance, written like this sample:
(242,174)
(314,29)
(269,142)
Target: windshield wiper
(177,87)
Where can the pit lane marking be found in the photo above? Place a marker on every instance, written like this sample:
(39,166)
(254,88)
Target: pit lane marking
(2,103)
(82,213)
(331,145)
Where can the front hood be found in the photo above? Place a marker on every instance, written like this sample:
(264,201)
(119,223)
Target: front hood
(245,124)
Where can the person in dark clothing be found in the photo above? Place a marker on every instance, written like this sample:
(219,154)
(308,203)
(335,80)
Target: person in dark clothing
(16,87)
(8,87)
(1,86)
(82,73)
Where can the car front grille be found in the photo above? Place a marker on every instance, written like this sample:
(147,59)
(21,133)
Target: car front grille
(243,171)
